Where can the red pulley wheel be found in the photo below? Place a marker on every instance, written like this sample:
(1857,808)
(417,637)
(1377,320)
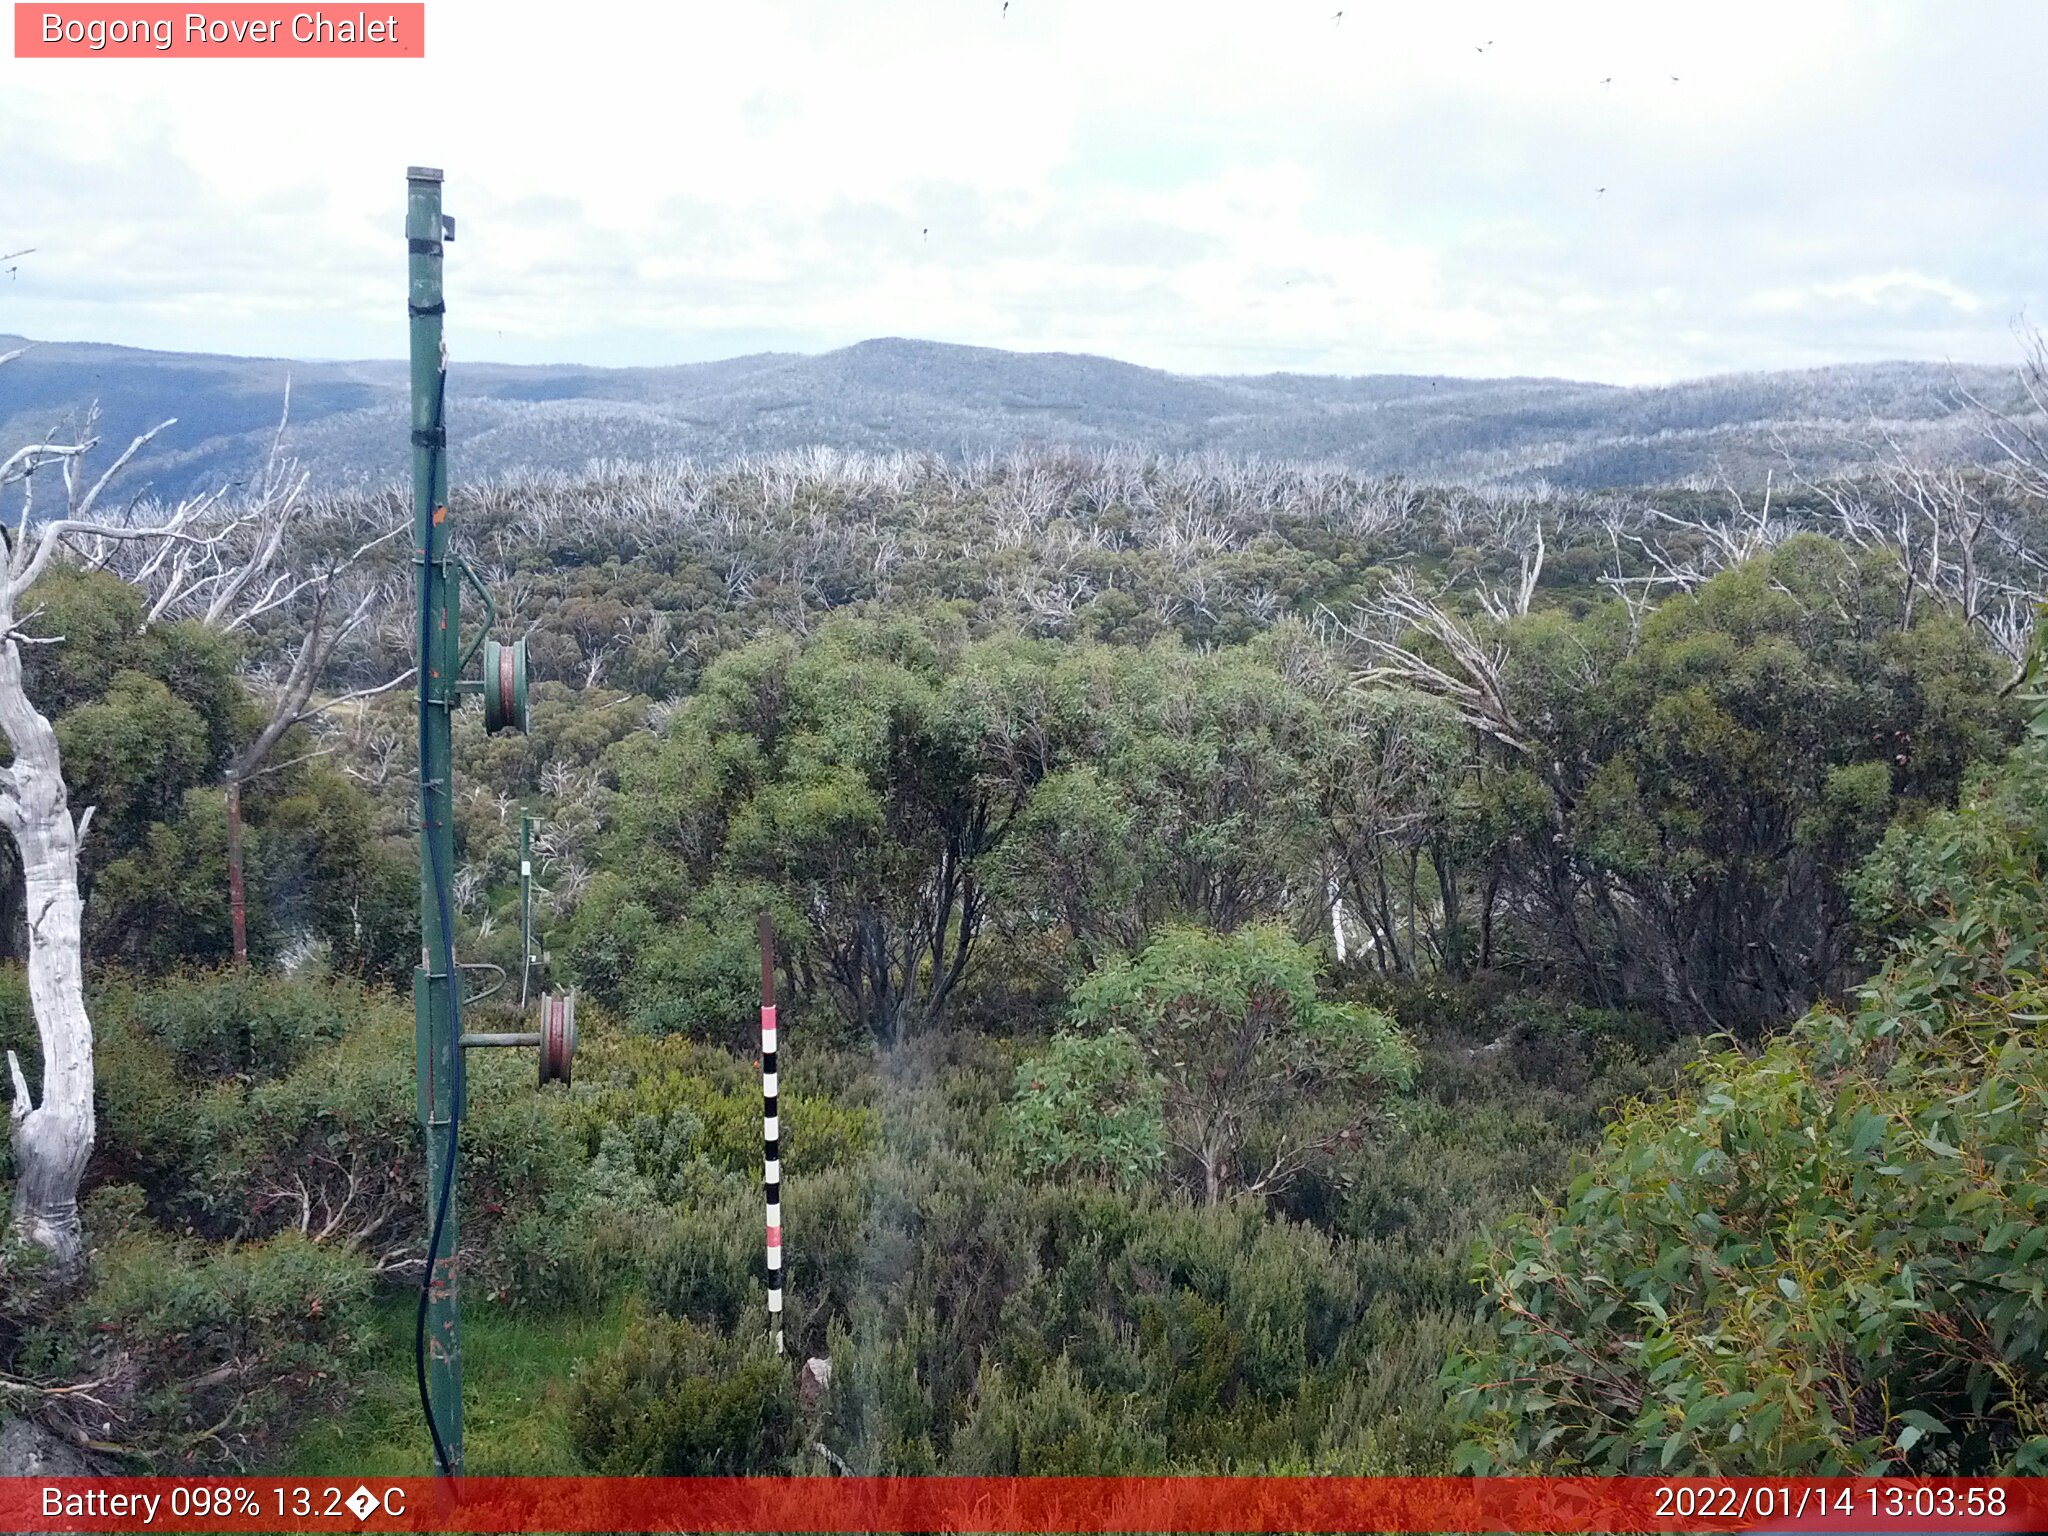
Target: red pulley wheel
(504,686)
(557,1036)
(507,706)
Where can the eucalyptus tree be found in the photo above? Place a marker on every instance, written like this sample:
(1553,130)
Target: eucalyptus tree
(1821,1257)
(275,563)
(1260,1080)
(863,781)
(1680,793)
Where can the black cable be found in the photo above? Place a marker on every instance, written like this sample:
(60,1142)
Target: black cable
(441,1458)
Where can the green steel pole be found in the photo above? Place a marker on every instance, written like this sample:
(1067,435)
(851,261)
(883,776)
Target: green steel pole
(439,1055)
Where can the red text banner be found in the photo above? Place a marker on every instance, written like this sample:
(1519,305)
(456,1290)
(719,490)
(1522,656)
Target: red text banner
(1026,1504)
(223,31)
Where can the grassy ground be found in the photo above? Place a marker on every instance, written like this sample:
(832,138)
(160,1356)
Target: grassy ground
(516,1371)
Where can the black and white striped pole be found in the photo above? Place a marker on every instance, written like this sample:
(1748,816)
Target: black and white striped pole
(771,1130)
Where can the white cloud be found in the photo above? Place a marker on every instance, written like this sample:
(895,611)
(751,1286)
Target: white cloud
(1197,184)
(1900,290)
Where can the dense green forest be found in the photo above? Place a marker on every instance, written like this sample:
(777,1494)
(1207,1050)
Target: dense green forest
(1282,971)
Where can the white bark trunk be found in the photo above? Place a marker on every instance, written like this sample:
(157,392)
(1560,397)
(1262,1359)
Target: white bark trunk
(53,1138)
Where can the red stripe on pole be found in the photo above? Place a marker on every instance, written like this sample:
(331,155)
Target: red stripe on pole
(769,1129)
(1026,1504)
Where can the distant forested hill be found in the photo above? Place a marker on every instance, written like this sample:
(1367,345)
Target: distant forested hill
(348,418)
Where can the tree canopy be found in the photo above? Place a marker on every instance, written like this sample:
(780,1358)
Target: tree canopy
(1829,1256)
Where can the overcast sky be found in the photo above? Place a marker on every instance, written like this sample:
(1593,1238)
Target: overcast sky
(1226,187)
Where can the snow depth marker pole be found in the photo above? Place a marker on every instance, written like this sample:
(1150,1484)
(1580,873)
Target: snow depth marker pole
(771,1130)
(527,958)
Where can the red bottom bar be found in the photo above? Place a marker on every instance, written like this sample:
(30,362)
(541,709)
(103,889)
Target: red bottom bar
(991,1504)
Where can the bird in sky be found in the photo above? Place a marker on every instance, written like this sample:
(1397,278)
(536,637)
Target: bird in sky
(1338,18)
(1599,191)
(1608,81)
(927,234)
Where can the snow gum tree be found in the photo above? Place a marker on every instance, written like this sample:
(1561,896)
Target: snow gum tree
(52,1134)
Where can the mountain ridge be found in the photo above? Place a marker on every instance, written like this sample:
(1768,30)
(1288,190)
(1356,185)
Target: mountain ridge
(894,393)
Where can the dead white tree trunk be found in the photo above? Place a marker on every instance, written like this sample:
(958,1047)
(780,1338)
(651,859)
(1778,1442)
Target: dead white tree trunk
(1472,675)
(53,1135)
(53,1138)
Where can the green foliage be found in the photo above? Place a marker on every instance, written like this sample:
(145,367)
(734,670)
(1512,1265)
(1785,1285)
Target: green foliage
(1054,1428)
(107,646)
(1723,773)
(164,901)
(148,717)
(1958,893)
(216,1351)
(1215,755)
(318,866)
(1401,804)
(894,785)
(964,814)
(143,714)
(1006,1327)
(698,974)
(1089,1105)
(570,1251)
(312,1126)
(313,869)
(1830,1256)
(1261,1080)
(675,1400)
(870,773)
(237,1023)
(660,1103)
(18,1034)
(132,751)
(947,1288)
(613,929)
(1071,853)
(1674,832)
(663,1195)
(706,1264)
